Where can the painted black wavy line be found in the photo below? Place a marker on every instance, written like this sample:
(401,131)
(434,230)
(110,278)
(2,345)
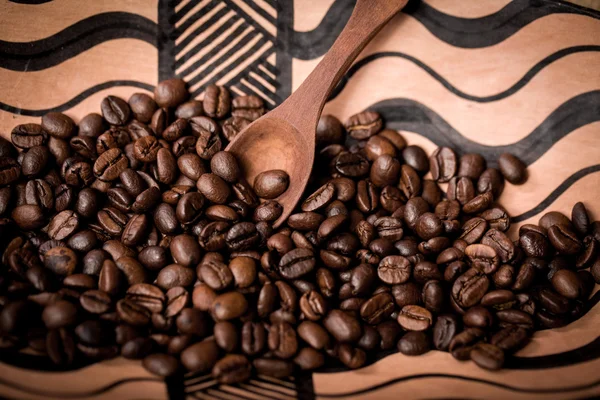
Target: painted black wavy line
(557,192)
(75,100)
(412,116)
(492,29)
(79,395)
(484,99)
(75,39)
(460,32)
(315,43)
(460,378)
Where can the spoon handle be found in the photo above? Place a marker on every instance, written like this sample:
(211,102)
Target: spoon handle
(303,108)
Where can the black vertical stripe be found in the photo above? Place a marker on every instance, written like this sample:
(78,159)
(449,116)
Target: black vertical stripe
(165,40)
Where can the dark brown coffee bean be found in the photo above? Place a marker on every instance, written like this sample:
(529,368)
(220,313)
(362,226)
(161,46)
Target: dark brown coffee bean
(297,263)
(510,338)
(513,169)
(60,346)
(483,258)
(329,131)
(343,327)
(443,164)
(282,340)
(414,318)
(95,301)
(133,313)
(377,308)
(487,356)
(110,164)
(254,338)
(534,244)
(364,125)
(479,203)
(567,283)
(446,327)
(469,288)
(414,344)
(564,239)
(61,260)
(460,189)
(115,110)
(271,184)
(35,161)
(352,165)
(410,183)
(394,270)
(233,368)
(163,365)
(217,101)
(58,125)
(26,136)
(229,306)
(242,236)
(491,180)
(385,171)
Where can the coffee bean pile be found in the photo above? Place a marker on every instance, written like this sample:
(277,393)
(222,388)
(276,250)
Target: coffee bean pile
(135,234)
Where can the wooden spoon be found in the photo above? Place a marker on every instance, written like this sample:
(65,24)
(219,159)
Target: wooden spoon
(285,137)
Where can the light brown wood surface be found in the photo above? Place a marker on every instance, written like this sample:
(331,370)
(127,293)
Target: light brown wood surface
(478,72)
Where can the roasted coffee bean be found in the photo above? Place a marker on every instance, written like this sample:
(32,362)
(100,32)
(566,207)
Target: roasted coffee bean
(483,258)
(232,368)
(343,327)
(534,244)
(377,308)
(26,136)
(364,125)
(487,356)
(479,203)
(446,327)
(271,184)
(110,164)
(564,239)
(217,101)
(510,338)
(297,263)
(163,365)
(513,169)
(414,318)
(352,165)
(460,189)
(567,283)
(469,288)
(175,275)
(394,270)
(462,343)
(443,164)
(491,180)
(229,306)
(414,344)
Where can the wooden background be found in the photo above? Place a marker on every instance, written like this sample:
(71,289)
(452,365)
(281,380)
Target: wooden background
(486,76)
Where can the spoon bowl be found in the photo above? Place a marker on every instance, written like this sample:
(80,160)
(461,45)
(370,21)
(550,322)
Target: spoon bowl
(273,143)
(285,137)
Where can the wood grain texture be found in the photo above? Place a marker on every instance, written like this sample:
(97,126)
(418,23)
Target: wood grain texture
(527,85)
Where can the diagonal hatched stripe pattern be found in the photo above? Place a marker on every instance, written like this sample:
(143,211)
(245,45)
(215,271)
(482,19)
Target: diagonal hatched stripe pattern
(230,43)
